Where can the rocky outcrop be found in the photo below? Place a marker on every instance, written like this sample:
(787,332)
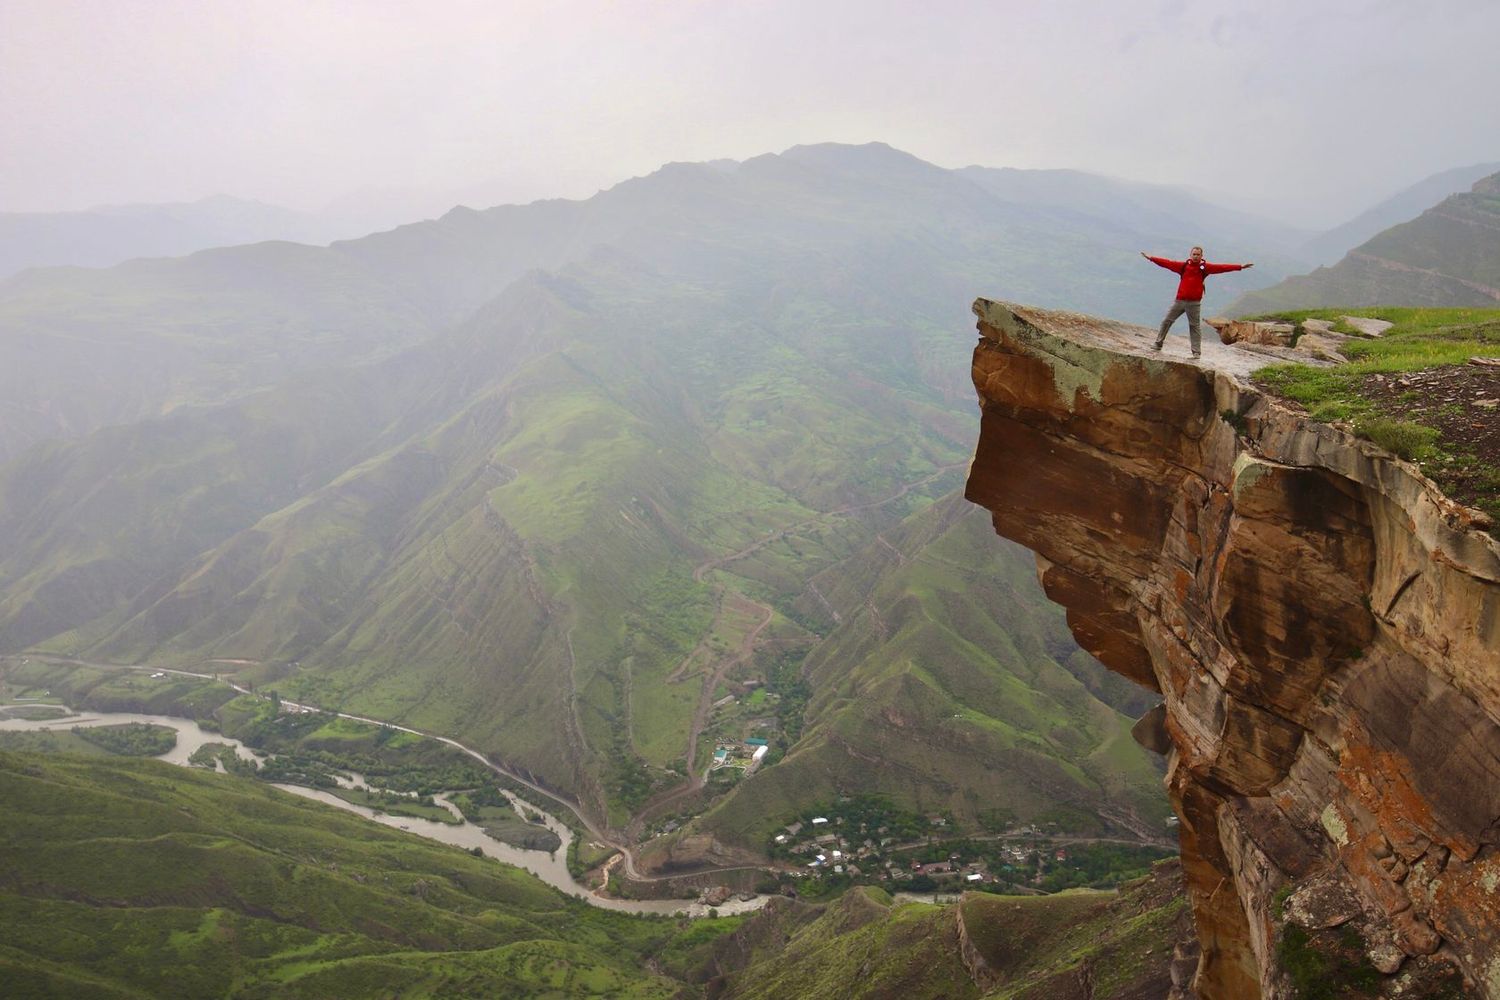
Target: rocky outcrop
(1323,626)
(985,975)
(1313,339)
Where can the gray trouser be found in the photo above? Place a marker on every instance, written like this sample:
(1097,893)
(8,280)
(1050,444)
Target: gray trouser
(1193,310)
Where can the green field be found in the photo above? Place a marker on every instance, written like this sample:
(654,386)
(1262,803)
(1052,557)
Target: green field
(35,713)
(58,741)
(126,878)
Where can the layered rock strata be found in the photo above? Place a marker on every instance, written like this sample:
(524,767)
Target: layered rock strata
(1322,623)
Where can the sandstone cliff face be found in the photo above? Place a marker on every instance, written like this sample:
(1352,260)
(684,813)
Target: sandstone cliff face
(1322,624)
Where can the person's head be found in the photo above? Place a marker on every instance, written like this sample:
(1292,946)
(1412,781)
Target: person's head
(1196,254)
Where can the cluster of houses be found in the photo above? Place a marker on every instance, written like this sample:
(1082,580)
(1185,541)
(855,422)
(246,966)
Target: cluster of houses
(831,851)
(749,754)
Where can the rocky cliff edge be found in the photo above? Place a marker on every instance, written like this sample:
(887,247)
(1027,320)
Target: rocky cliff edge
(1323,626)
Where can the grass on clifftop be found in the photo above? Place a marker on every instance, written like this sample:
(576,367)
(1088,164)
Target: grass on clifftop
(1413,392)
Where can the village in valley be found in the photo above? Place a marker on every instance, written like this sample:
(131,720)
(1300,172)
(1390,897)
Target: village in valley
(868,840)
(865,839)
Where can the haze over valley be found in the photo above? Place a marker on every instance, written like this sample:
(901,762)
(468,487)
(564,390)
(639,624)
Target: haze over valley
(350,445)
(569,481)
(599,486)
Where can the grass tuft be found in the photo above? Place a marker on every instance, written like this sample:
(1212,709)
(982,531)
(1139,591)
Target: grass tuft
(1411,441)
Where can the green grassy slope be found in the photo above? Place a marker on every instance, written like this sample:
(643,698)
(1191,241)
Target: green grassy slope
(942,687)
(92,348)
(1447,256)
(1082,943)
(1078,944)
(87,529)
(135,879)
(862,945)
(495,535)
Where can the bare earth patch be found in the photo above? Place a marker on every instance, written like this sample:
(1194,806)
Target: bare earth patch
(1462,403)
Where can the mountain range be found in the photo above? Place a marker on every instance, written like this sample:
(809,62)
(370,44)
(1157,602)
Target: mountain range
(554,478)
(1448,256)
(111,234)
(1403,206)
(596,487)
(130,878)
(100,347)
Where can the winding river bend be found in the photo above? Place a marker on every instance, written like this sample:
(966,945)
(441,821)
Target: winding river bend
(551,867)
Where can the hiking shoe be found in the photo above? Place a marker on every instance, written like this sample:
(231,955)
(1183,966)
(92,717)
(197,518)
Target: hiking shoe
(1156,346)
(1197,354)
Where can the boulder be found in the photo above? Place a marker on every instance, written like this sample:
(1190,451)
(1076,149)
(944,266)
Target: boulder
(1245,331)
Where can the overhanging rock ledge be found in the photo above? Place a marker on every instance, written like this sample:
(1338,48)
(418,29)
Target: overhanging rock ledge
(1322,623)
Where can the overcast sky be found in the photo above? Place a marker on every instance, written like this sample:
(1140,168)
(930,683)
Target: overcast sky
(1312,109)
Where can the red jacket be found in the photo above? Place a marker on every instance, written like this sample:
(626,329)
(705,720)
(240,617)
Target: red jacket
(1190,288)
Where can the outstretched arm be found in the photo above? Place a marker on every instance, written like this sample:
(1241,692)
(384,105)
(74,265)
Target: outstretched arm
(1221,268)
(1170,265)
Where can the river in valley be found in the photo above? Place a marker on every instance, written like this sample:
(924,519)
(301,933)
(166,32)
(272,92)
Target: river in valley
(551,868)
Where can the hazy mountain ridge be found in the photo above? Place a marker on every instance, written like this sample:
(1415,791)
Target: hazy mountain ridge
(1447,256)
(1403,206)
(1170,216)
(496,533)
(109,234)
(102,347)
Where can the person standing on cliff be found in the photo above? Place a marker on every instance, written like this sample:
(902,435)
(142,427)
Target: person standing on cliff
(1189,292)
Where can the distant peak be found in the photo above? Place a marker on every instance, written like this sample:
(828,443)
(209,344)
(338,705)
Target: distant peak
(1487,185)
(677,173)
(846,156)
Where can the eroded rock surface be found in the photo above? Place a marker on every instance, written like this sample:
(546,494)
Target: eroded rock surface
(1322,623)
